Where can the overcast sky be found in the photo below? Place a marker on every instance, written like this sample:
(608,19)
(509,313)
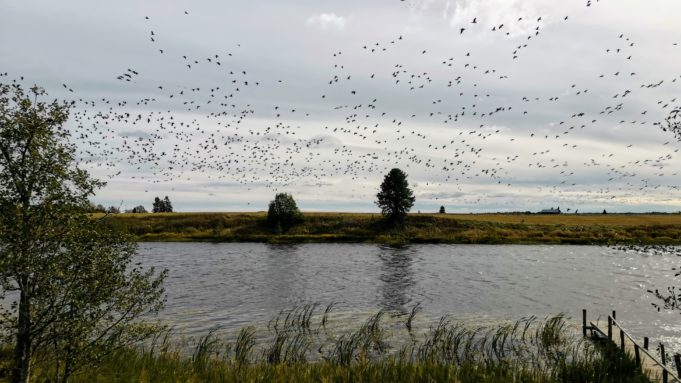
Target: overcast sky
(489,105)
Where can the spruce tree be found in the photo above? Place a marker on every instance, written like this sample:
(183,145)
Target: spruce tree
(395,197)
(167,206)
(157,206)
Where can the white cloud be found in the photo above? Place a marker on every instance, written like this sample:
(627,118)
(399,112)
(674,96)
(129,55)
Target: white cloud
(493,13)
(326,21)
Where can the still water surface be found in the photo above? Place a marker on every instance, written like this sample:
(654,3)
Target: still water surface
(234,284)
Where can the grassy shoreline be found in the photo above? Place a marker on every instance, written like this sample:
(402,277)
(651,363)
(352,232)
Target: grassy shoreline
(305,344)
(582,229)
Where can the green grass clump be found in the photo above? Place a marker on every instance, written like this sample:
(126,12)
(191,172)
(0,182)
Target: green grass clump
(306,344)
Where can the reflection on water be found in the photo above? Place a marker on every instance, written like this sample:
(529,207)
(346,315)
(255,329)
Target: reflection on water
(397,277)
(281,275)
(234,284)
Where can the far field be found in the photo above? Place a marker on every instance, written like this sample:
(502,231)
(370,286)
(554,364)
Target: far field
(419,228)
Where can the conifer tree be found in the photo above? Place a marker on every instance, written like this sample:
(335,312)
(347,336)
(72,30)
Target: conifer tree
(395,197)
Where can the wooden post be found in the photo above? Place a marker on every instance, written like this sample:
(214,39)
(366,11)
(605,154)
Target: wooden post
(637,354)
(614,315)
(645,342)
(622,340)
(665,378)
(609,328)
(584,322)
(677,362)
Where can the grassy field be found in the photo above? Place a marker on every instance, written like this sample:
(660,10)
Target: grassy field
(302,347)
(649,229)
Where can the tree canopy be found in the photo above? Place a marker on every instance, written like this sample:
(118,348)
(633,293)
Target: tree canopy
(283,212)
(137,209)
(77,294)
(395,198)
(162,205)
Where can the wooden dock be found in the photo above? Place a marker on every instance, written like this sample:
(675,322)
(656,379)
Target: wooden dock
(656,368)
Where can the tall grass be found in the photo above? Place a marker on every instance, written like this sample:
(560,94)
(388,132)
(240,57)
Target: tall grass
(305,344)
(244,345)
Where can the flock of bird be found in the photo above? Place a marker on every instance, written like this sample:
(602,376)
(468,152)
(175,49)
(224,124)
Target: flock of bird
(174,132)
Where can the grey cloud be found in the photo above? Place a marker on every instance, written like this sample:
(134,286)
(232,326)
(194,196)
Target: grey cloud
(135,133)
(441,195)
(275,41)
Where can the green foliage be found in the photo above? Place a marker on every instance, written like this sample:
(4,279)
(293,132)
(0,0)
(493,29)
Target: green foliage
(298,348)
(156,206)
(442,210)
(167,206)
(78,296)
(161,205)
(138,209)
(283,212)
(395,197)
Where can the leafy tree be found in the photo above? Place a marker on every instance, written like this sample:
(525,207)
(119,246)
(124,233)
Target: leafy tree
(113,210)
(395,197)
(138,209)
(283,212)
(167,206)
(442,209)
(77,295)
(671,299)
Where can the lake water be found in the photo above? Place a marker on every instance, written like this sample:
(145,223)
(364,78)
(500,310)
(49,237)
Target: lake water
(234,284)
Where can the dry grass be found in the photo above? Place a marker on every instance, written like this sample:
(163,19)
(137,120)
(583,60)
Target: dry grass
(575,219)
(624,219)
(420,228)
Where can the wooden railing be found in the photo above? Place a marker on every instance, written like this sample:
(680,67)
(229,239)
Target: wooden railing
(666,371)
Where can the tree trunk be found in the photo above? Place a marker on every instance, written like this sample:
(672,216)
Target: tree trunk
(24,347)
(67,373)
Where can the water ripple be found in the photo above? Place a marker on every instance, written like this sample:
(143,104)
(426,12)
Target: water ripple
(235,284)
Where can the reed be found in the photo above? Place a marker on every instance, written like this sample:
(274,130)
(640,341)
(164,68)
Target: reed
(325,317)
(361,345)
(244,344)
(300,345)
(414,310)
